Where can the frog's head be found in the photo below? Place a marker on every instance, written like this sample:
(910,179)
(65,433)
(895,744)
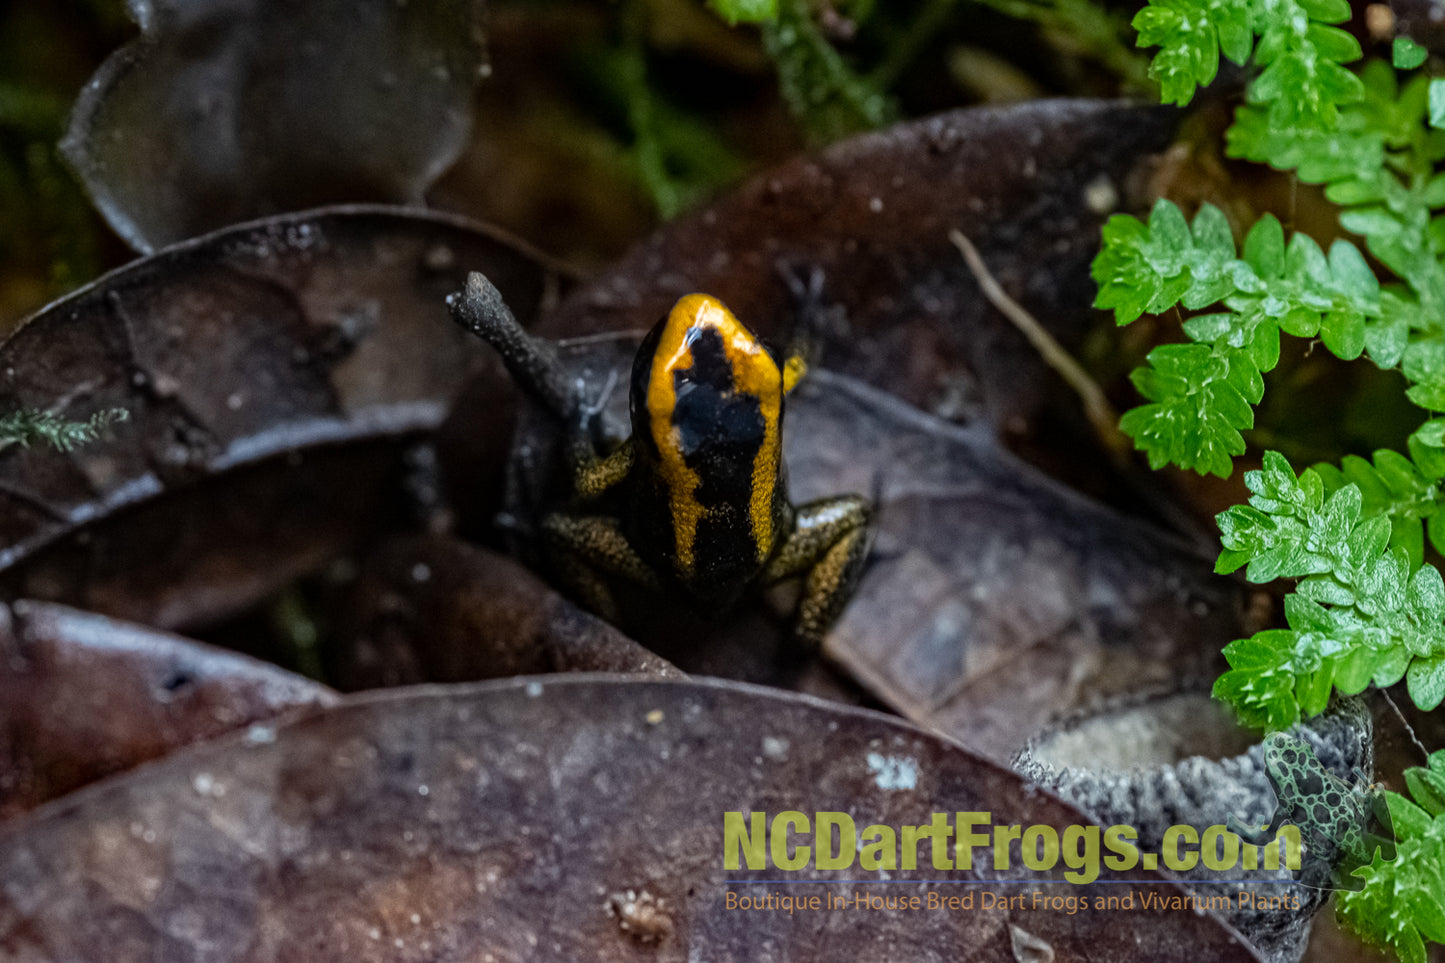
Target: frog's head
(707,410)
(1292,765)
(1280,750)
(701,345)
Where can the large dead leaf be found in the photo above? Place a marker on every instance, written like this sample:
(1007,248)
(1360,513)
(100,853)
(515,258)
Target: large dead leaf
(274,375)
(997,599)
(82,696)
(574,818)
(224,111)
(1030,184)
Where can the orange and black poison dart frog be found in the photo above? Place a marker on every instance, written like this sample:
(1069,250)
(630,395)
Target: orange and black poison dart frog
(695,501)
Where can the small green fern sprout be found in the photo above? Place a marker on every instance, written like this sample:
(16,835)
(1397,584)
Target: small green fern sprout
(1301,83)
(29,426)
(1202,393)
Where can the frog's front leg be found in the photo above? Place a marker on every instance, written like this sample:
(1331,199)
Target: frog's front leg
(586,549)
(1259,837)
(829,542)
(593,476)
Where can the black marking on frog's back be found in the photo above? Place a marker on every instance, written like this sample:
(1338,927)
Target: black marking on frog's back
(719,431)
(714,421)
(1310,783)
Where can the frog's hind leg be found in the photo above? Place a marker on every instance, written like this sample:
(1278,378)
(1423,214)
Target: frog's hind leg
(829,586)
(584,550)
(532,361)
(830,543)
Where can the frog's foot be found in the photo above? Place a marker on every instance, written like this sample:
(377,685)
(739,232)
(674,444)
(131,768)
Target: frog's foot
(814,322)
(805,282)
(1363,780)
(479,308)
(584,550)
(1259,836)
(830,544)
(594,473)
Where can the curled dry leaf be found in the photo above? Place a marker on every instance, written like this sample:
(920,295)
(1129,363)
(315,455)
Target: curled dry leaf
(227,111)
(564,818)
(83,696)
(274,376)
(995,598)
(434,609)
(1029,184)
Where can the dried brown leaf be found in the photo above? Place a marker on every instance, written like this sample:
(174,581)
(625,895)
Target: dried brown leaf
(565,818)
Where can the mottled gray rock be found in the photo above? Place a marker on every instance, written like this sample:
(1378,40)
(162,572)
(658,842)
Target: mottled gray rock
(1177,760)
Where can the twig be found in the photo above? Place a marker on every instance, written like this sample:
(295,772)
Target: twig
(1100,413)
(1409,730)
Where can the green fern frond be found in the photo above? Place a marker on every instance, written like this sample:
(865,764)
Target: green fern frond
(1202,394)
(1361,612)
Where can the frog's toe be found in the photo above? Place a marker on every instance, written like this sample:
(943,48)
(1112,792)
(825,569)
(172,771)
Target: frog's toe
(582,583)
(1250,834)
